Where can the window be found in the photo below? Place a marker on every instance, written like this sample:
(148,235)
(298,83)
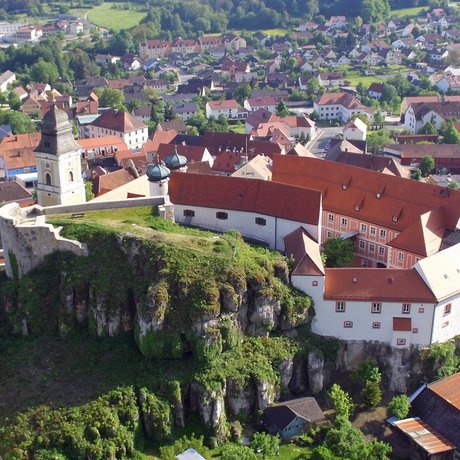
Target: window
(362,245)
(445,324)
(415,330)
(363,228)
(348,324)
(381,250)
(364,263)
(383,233)
(314,283)
(400,342)
(421,310)
(373,230)
(329,234)
(261,221)
(221,215)
(340,307)
(401,256)
(371,247)
(48,179)
(189,213)
(344,222)
(376,307)
(447,309)
(70,176)
(405,308)
(330,217)
(376,325)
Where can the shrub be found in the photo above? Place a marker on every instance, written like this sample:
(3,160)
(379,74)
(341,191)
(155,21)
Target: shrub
(399,406)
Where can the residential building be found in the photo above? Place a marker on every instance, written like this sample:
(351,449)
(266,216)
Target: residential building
(418,114)
(17,155)
(340,106)
(101,147)
(132,130)
(6,78)
(355,129)
(229,108)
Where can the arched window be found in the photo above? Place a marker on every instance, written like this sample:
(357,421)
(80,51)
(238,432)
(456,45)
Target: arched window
(70,176)
(48,178)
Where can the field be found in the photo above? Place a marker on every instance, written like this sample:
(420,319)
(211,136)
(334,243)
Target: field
(109,16)
(364,79)
(403,12)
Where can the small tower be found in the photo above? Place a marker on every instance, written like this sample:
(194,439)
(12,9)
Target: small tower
(158,177)
(58,162)
(176,162)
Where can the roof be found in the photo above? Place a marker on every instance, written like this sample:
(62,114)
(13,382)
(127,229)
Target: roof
(239,194)
(370,196)
(306,252)
(227,104)
(424,435)
(103,141)
(159,137)
(280,415)
(260,165)
(421,150)
(110,181)
(356,123)
(190,454)
(441,272)
(345,99)
(117,120)
(192,153)
(11,191)
(424,236)
(376,284)
(448,389)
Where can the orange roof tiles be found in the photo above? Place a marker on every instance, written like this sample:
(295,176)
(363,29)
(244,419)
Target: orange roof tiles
(159,137)
(105,183)
(305,250)
(424,435)
(239,194)
(191,152)
(369,196)
(345,99)
(118,120)
(376,284)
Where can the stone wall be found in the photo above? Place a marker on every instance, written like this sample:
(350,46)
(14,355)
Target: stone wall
(27,238)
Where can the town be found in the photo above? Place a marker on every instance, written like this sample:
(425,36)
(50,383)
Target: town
(332,145)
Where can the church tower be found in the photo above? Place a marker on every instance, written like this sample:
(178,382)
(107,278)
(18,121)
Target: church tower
(58,162)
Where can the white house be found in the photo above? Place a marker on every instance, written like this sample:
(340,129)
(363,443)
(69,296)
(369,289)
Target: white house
(339,106)
(6,78)
(355,129)
(118,123)
(437,113)
(262,210)
(230,108)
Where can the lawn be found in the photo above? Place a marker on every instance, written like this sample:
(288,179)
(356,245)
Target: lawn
(403,12)
(364,79)
(112,16)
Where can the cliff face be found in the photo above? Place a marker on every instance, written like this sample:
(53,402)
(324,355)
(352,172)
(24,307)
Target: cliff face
(204,305)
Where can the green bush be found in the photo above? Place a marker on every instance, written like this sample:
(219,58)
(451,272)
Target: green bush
(399,406)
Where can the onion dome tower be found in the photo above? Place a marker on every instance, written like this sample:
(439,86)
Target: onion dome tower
(158,177)
(176,162)
(60,180)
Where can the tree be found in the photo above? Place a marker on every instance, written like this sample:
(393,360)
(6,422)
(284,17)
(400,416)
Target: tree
(282,110)
(265,444)
(237,452)
(89,194)
(341,402)
(377,139)
(416,174)
(20,123)
(242,92)
(367,370)
(399,406)
(428,128)
(13,101)
(427,165)
(372,394)
(449,133)
(111,97)
(321,453)
(378,118)
(45,72)
(338,252)
(444,358)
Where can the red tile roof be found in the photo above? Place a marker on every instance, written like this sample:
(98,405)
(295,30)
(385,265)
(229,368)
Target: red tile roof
(345,99)
(253,195)
(227,104)
(105,183)
(191,152)
(390,201)
(376,284)
(117,120)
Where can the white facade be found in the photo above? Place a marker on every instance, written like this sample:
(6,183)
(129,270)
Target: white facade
(337,112)
(133,139)
(216,108)
(358,322)
(414,125)
(259,227)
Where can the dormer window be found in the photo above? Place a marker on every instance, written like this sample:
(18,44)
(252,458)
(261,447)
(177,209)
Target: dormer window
(395,218)
(378,196)
(357,207)
(344,186)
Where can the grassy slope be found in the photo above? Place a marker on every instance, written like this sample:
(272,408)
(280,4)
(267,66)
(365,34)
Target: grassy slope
(403,12)
(108,17)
